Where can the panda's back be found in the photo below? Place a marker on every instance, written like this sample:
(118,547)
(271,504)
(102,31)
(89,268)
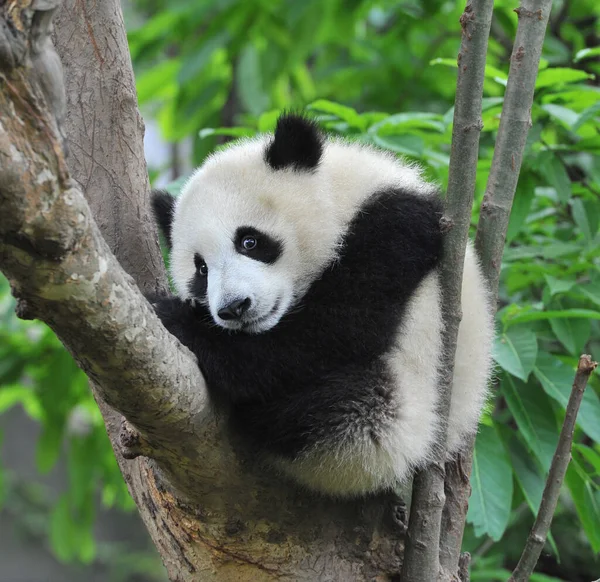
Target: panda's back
(385,442)
(355,172)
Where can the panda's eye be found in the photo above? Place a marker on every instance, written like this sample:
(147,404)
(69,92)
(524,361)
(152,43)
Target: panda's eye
(200,265)
(249,243)
(257,245)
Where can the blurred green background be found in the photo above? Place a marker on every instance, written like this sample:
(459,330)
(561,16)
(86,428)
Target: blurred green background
(382,73)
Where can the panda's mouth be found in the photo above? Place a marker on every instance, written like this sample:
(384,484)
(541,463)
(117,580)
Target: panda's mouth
(255,325)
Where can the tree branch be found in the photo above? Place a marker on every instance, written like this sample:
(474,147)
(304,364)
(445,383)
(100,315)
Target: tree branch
(556,476)
(77,286)
(495,210)
(225,517)
(512,135)
(422,557)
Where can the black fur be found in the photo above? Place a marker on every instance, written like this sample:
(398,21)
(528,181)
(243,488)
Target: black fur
(318,373)
(163,205)
(267,249)
(297,144)
(199,282)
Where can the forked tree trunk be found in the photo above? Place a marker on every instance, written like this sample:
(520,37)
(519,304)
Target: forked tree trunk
(212,513)
(210,509)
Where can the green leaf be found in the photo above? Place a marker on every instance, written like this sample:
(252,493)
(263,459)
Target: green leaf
(490,72)
(590,455)
(250,84)
(268,120)
(195,63)
(515,351)
(557,380)
(347,114)
(48,447)
(566,116)
(492,484)
(305,82)
(572,333)
(557,286)
(498,75)
(489,575)
(226,131)
(529,477)
(3,487)
(591,291)
(159,82)
(408,145)
(549,251)
(586,53)
(560,75)
(592,214)
(521,205)
(13,394)
(527,316)
(402,122)
(87,545)
(581,219)
(446,62)
(587,502)
(71,534)
(556,175)
(587,115)
(534,417)
(536,577)
(63,534)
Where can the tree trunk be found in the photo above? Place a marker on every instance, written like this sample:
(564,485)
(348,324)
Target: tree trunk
(212,513)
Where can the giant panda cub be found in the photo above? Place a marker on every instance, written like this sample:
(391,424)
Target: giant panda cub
(307,280)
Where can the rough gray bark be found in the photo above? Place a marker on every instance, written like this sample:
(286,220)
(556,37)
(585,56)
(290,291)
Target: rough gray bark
(495,210)
(425,559)
(512,135)
(211,511)
(556,475)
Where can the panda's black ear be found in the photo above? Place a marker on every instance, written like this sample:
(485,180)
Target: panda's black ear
(297,144)
(163,205)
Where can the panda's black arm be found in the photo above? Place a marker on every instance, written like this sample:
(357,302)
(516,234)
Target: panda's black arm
(236,366)
(179,316)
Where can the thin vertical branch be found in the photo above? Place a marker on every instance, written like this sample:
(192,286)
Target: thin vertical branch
(556,476)
(422,556)
(512,135)
(495,210)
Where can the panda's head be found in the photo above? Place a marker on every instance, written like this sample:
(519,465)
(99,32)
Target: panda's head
(253,227)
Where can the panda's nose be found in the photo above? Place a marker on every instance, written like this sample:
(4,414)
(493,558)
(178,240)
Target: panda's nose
(235,309)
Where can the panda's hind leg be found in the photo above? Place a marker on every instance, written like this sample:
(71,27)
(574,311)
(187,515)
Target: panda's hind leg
(350,421)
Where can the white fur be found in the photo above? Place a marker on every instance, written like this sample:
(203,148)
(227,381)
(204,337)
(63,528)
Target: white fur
(414,363)
(308,211)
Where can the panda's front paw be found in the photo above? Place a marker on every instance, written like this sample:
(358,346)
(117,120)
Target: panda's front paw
(161,303)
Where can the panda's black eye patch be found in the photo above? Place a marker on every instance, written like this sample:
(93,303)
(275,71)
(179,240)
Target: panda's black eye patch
(257,245)
(199,282)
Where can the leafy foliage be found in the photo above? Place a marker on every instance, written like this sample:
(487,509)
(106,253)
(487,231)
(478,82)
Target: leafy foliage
(37,373)
(384,73)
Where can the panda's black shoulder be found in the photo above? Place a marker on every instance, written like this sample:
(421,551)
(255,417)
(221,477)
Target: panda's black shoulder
(392,243)
(397,231)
